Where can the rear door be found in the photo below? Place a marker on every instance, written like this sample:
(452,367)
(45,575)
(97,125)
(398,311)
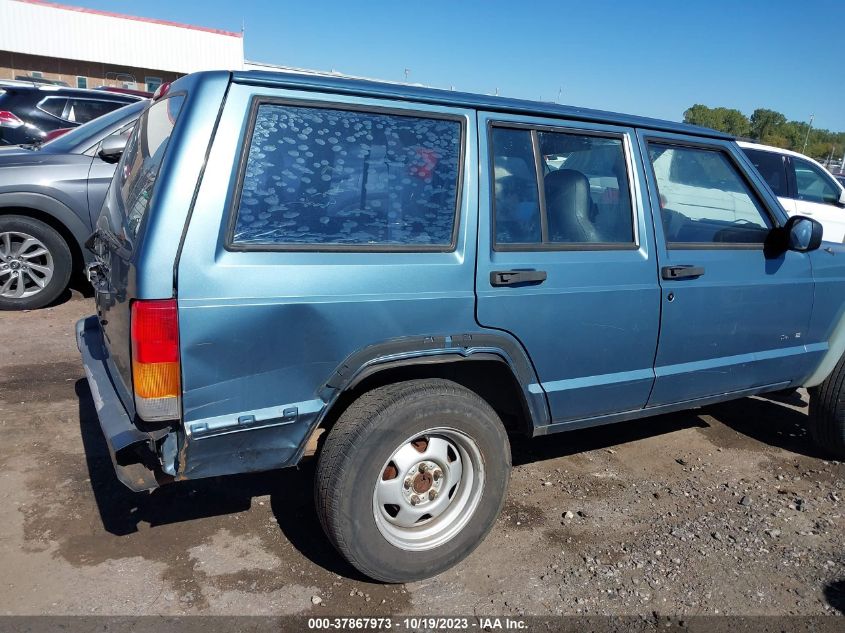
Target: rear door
(733,318)
(566,259)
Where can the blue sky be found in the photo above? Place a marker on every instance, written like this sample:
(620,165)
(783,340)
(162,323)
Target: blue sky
(653,58)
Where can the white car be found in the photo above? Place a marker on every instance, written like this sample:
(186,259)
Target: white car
(802,185)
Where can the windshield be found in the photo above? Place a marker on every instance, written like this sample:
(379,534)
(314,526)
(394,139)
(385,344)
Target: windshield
(84,136)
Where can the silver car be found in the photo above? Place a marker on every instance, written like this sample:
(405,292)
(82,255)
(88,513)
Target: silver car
(50,195)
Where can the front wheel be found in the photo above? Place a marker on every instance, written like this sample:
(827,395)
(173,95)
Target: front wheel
(827,412)
(411,478)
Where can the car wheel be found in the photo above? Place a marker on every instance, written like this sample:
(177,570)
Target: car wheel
(411,478)
(827,412)
(35,263)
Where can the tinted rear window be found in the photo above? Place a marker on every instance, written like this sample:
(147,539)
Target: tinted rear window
(53,105)
(317,177)
(142,158)
(772,167)
(84,110)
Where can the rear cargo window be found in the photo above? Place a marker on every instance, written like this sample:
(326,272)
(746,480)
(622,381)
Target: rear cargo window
(326,178)
(141,161)
(84,110)
(53,105)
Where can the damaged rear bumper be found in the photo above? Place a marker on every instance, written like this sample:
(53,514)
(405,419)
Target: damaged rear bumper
(131,449)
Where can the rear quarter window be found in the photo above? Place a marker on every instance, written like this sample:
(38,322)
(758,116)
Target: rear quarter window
(317,178)
(54,106)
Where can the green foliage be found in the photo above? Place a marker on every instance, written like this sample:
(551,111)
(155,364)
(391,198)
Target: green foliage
(770,128)
(725,119)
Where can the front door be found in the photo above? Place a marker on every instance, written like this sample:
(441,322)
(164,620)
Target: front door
(566,259)
(733,318)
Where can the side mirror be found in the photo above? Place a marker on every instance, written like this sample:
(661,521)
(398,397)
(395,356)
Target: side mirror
(111,148)
(803,234)
(800,234)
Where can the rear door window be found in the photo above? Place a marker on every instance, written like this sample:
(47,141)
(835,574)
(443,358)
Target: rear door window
(318,178)
(141,161)
(560,189)
(516,195)
(772,167)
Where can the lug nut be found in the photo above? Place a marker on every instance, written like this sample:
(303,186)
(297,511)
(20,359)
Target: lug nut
(407,483)
(437,475)
(415,500)
(423,468)
(432,494)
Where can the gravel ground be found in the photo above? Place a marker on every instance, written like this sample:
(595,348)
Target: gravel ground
(728,509)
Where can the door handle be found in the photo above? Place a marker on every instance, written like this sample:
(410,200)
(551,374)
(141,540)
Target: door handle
(681,272)
(517,277)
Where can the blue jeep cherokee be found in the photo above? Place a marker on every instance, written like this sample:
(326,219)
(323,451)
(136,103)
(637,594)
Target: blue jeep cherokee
(397,278)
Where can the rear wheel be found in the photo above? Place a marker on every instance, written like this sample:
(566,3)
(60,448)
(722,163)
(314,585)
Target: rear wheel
(411,478)
(827,412)
(35,263)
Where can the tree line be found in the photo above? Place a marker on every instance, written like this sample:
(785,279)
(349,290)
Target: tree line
(770,128)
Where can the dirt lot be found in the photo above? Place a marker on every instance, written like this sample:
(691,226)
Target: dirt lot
(728,509)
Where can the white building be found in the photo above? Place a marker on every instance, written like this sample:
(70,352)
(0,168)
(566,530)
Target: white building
(86,48)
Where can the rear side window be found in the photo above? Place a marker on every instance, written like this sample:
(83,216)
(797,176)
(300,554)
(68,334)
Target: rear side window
(139,166)
(704,199)
(772,167)
(329,178)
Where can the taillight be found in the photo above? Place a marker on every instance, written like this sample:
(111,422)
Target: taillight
(7,119)
(155,359)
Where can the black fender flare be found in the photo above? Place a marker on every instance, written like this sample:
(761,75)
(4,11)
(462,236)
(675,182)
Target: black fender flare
(52,207)
(416,350)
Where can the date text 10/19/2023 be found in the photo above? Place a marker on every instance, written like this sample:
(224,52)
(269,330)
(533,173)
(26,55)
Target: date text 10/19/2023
(417,623)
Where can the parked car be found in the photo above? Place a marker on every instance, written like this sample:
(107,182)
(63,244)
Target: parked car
(395,279)
(841,179)
(50,196)
(802,185)
(29,112)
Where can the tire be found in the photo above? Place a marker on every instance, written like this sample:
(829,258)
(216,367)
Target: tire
(364,462)
(827,412)
(46,251)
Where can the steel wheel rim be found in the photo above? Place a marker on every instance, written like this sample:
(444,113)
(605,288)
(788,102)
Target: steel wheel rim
(434,519)
(26,265)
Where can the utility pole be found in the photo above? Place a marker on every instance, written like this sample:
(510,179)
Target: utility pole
(807,136)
